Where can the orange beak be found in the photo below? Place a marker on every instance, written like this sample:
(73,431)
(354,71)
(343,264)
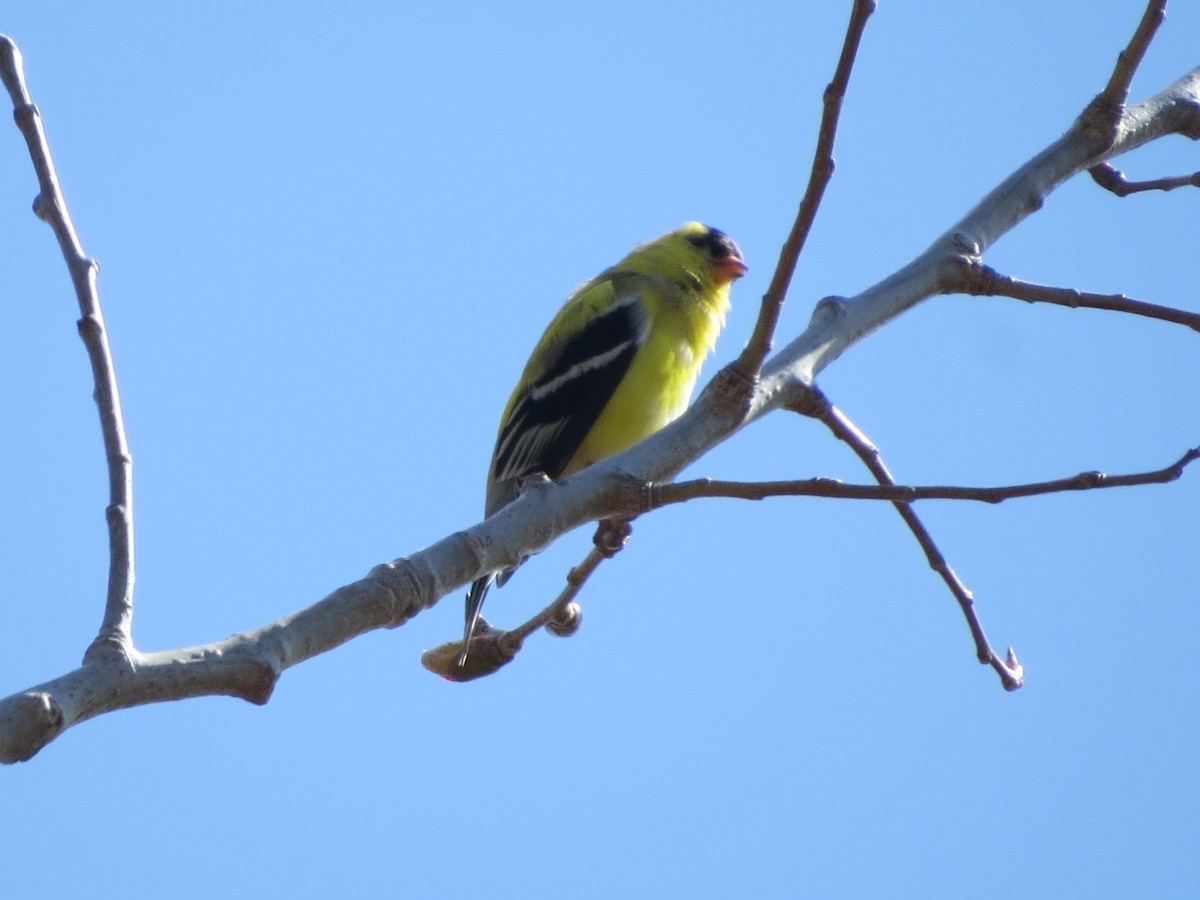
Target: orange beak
(728,269)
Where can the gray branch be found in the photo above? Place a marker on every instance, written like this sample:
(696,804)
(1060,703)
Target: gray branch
(51,207)
(946,267)
(248,665)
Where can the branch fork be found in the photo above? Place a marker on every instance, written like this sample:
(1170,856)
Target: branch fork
(116,675)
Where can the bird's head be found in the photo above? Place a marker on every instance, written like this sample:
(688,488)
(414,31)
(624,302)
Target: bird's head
(718,250)
(697,249)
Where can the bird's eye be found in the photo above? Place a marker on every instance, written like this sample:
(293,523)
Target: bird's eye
(717,244)
(711,241)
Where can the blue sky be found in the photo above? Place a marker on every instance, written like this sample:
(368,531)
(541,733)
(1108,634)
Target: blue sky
(329,235)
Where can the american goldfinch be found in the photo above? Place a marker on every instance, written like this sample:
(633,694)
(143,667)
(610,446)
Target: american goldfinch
(618,362)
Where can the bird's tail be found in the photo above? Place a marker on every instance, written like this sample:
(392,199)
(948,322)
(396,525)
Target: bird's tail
(474,607)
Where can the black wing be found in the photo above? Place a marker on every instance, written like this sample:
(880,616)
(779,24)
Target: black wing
(550,420)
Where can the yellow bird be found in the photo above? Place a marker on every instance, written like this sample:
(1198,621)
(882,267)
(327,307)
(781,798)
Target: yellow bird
(618,362)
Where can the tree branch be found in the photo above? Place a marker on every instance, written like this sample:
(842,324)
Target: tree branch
(1113,180)
(985,281)
(750,363)
(1116,92)
(1009,669)
(944,267)
(682,491)
(51,207)
(247,665)
(492,648)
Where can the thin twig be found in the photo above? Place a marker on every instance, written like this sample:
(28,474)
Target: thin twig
(683,491)
(51,207)
(1101,120)
(1116,91)
(750,363)
(1113,180)
(1009,669)
(493,648)
(982,280)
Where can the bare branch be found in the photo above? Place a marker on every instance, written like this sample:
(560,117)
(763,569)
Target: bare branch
(1175,110)
(1116,92)
(985,281)
(1113,180)
(491,648)
(1009,669)
(750,363)
(839,322)
(51,207)
(247,665)
(683,491)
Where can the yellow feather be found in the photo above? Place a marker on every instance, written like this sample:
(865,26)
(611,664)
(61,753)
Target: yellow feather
(666,304)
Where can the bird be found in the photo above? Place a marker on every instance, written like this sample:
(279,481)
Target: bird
(618,362)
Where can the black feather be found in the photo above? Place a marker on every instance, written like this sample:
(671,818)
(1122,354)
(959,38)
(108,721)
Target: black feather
(551,419)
